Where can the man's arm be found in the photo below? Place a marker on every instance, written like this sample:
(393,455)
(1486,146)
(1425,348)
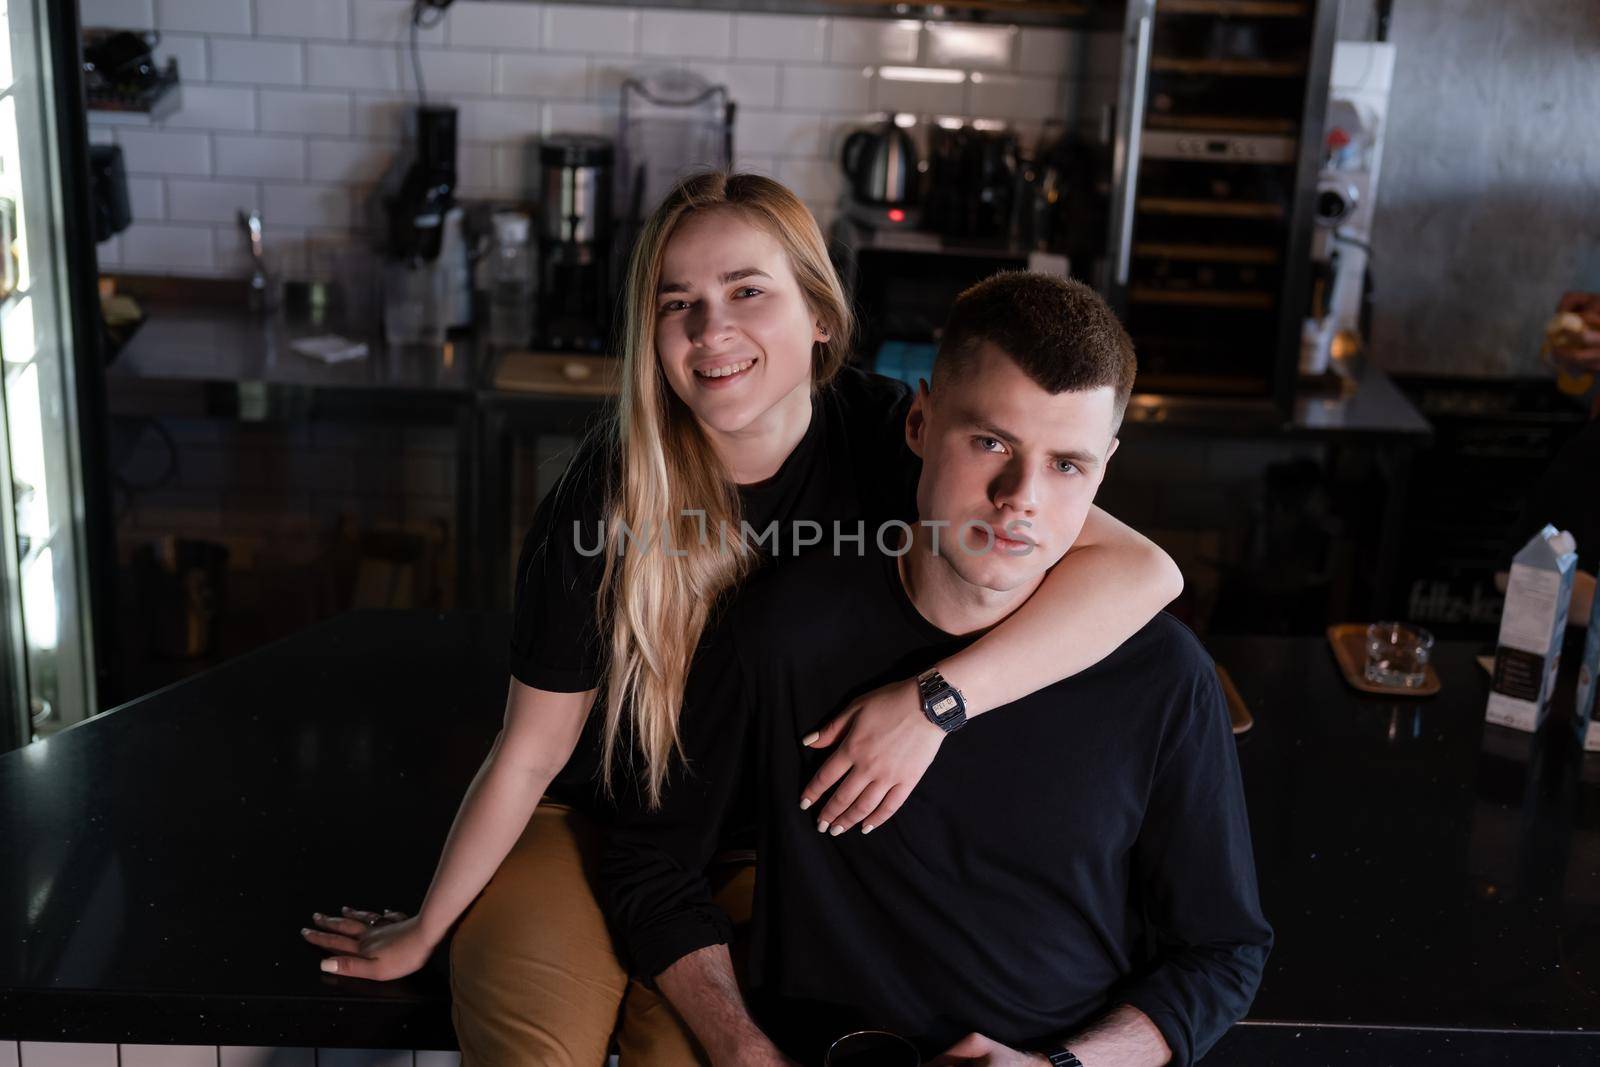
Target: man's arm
(702,987)
(1123,1037)
(1194,875)
(652,873)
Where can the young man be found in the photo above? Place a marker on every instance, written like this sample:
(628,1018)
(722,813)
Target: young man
(1072,881)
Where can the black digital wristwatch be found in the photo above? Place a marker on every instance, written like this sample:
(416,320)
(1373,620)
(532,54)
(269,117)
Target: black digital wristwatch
(942,702)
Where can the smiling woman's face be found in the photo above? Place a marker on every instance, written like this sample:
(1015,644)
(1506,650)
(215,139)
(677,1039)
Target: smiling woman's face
(733,331)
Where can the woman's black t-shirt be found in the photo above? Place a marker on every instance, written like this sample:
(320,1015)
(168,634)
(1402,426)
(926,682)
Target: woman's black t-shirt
(852,466)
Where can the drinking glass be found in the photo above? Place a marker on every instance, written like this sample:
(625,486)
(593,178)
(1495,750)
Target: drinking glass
(1397,654)
(413,303)
(872,1048)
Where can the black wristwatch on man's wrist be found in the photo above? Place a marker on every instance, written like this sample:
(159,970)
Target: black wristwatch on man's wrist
(942,702)
(1063,1058)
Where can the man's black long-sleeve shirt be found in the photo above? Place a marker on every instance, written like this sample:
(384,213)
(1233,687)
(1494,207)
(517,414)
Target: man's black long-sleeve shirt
(1080,848)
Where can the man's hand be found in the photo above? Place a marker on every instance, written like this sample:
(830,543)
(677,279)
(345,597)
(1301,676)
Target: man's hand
(986,1052)
(884,754)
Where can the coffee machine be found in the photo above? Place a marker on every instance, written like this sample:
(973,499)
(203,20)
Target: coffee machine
(971,182)
(424,221)
(575,242)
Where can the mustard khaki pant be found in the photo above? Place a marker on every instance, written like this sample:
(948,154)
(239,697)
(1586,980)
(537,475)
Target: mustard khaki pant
(534,979)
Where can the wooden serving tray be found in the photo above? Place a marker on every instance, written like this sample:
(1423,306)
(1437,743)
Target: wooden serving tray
(558,374)
(1238,714)
(1349,643)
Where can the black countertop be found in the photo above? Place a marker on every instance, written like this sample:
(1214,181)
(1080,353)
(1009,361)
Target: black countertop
(1369,406)
(158,861)
(1434,882)
(211,344)
(1421,868)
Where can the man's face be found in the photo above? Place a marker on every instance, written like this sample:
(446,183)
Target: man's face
(997,448)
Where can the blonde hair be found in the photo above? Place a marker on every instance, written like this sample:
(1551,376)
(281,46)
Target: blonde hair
(653,605)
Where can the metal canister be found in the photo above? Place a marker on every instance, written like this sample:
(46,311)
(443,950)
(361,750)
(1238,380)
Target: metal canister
(577,188)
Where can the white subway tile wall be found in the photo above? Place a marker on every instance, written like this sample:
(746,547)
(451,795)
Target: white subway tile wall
(159,152)
(498,120)
(343,66)
(801,38)
(387,21)
(204,16)
(494,25)
(874,40)
(361,162)
(781,133)
(686,34)
(555,77)
(1018,98)
(940,98)
(826,88)
(588,29)
(451,74)
(364,1057)
(749,84)
(321,204)
(299,106)
(117,12)
(62,1054)
(960,44)
(178,249)
(199,200)
(168,1055)
(189,49)
(214,107)
(257,1056)
(303,19)
(291,112)
(580,118)
(380,116)
(259,157)
(260,62)
(147,199)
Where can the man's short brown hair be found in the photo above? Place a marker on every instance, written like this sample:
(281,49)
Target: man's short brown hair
(1058,331)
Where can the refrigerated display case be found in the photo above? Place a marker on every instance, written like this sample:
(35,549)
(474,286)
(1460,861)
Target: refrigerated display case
(47,597)
(1215,162)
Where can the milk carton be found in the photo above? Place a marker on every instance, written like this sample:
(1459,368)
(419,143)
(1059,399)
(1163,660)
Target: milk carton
(1531,628)
(1583,716)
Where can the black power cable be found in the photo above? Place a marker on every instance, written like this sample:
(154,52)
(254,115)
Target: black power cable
(425,15)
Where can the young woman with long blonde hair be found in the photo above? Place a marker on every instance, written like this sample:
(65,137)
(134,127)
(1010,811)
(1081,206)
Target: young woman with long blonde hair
(737,413)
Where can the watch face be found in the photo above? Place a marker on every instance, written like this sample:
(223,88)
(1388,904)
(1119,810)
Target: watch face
(944,705)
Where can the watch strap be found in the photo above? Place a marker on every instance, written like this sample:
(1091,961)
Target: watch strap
(942,702)
(1062,1057)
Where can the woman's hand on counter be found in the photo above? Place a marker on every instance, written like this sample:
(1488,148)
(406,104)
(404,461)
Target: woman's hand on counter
(368,945)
